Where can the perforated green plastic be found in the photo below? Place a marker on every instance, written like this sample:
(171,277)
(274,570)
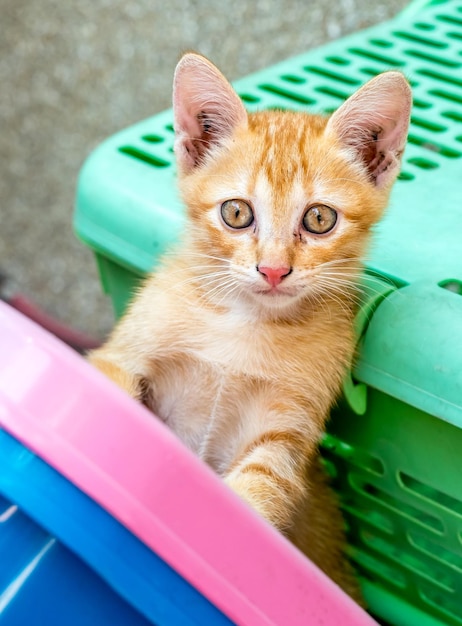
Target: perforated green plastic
(127,203)
(394,444)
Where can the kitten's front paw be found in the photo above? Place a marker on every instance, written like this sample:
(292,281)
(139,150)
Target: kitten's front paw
(263,497)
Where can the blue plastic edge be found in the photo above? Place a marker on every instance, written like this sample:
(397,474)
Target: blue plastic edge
(136,573)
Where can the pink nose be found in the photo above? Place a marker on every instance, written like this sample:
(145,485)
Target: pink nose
(274,275)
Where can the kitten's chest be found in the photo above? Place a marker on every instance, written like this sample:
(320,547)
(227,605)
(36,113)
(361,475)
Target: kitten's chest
(197,400)
(211,382)
(246,348)
(199,389)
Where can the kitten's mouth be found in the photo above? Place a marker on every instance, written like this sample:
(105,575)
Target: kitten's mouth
(274,292)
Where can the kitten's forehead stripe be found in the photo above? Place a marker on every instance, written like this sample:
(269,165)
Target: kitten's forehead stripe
(284,150)
(281,172)
(281,152)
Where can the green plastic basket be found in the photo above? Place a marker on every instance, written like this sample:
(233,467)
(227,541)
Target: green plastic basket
(393,444)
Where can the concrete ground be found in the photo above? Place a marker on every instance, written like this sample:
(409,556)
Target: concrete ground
(73,73)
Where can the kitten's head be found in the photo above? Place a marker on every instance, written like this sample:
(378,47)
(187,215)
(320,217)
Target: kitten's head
(280,204)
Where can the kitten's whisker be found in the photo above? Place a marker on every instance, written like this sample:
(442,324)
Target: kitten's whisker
(222,285)
(214,291)
(345,288)
(219,295)
(235,287)
(190,253)
(321,301)
(211,290)
(335,291)
(347,284)
(198,278)
(339,279)
(208,256)
(363,287)
(339,261)
(194,268)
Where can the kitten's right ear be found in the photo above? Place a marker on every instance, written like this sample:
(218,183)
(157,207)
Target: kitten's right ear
(206,109)
(374,122)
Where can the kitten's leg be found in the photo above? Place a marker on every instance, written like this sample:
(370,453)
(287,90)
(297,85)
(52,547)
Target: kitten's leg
(121,377)
(319,531)
(269,469)
(278,474)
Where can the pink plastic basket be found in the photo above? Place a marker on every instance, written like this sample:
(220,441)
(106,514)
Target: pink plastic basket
(134,467)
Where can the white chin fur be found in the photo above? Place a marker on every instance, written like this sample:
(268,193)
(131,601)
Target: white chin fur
(274,300)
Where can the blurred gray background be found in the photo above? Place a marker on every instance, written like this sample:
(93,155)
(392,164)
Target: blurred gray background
(72,73)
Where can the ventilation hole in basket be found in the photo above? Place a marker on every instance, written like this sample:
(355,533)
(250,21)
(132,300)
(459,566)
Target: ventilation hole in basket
(292,78)
(424,26)
(346,526)
(376,570)
(421,104)
(330,468)
(453,115)
(424,56)
(453,285)
(405,176)
(353,455)
(144,156)
(423,164)
(381,43)
(445,78)
(334,93)
(368,462)
(290,95)
(435,551)
(373,56)
(450,19)
(170,128)
(329,442)
(397,506)
(428,125)
(370,71)
(446,95)
(247,97)
(153,138)
(433,43)
(341,78)
(456,36)
(433,147)
(447,605)
(338,60)
(370,516)
(412,562)
(430,494)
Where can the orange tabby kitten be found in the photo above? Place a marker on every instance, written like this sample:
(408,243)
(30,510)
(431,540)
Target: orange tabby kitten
(240,341)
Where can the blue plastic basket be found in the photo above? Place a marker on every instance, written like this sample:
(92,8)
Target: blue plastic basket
(67,562)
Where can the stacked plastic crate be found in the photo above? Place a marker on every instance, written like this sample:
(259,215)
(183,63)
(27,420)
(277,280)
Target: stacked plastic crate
(87,532)
(393,444)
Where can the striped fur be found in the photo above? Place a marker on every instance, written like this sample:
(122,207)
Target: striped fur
(246,374)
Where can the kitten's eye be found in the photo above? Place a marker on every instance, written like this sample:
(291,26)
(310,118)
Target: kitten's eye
(236,213)
(320,219)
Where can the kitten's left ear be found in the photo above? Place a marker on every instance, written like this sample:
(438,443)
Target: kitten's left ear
(374,123)
(206,109)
